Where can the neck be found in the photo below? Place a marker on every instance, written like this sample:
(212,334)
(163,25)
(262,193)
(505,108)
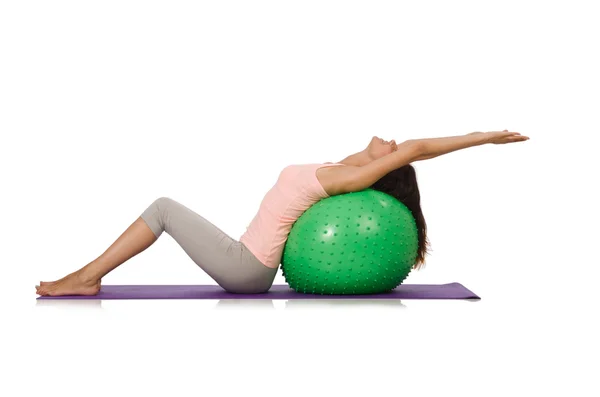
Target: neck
(357,159)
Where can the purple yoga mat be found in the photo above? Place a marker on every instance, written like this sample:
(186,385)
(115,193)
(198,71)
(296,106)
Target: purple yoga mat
(282,291)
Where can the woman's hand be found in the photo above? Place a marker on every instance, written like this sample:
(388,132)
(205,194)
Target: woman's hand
(502,137)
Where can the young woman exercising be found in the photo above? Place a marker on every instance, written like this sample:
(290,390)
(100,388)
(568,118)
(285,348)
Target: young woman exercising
(250,264)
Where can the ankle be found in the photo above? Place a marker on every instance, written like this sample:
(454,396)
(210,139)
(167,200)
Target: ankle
(88,275)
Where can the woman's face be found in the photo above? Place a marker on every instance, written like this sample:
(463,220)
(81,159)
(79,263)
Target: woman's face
(379,147)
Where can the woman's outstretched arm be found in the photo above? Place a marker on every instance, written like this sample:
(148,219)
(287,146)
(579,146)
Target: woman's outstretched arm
(434,147)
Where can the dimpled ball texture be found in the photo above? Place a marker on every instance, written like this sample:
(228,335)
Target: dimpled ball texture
(362,242)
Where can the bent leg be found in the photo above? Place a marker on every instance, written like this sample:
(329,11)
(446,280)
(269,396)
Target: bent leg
(225,260)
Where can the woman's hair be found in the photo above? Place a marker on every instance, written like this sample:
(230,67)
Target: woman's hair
(402,184)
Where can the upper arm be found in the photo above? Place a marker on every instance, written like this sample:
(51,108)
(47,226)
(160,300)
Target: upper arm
(356,178)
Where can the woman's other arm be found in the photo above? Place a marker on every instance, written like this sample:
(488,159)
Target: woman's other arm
(356,178)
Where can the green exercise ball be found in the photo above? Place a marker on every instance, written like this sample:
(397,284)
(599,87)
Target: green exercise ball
(362,242)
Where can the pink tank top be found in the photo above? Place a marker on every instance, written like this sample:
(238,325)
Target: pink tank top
(296,189)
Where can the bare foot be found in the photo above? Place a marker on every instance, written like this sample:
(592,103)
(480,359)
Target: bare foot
(73,284)
(53,282)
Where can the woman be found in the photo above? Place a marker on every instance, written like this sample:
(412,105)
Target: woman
(250,264)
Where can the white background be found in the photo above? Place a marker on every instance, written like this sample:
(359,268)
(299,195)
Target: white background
(106,106)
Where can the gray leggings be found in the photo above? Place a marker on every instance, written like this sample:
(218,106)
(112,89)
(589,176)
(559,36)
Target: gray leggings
(225,260)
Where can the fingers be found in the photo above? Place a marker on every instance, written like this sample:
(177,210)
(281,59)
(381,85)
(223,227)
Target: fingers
(508,133)
(505,136)
(516,138)
(518,135)
(513,135)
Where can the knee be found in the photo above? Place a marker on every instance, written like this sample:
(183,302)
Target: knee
(162,203)
(163,200)
(156,216)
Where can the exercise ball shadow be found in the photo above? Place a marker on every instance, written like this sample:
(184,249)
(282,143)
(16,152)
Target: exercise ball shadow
(244,303)
(356,243)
